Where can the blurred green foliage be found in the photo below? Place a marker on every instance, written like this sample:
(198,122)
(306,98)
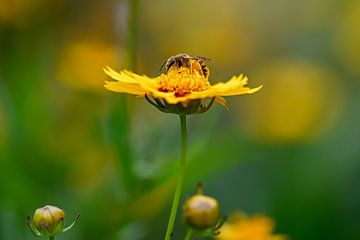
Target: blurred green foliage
(290,151)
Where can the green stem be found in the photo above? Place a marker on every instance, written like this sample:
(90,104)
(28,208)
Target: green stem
(51,238)
(123,110)
(188,234)
(124,148)
(180,180)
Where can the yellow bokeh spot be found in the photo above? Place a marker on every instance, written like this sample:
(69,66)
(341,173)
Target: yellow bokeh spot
(299,101)
(81,63)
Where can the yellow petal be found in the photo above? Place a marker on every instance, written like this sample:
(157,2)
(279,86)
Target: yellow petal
(239,91)
(254,90)
(221,101)
(143,80)
(130,77)
(125,88)
(235,86)
(118,76)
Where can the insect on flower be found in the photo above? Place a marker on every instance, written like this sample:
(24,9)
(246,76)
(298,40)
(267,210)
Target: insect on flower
(185,60)
(181,88)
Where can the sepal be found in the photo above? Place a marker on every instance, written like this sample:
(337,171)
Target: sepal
(30,224)
(72,224)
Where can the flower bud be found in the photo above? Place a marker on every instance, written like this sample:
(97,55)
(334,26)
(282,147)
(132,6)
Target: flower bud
(48,221)
(201,211)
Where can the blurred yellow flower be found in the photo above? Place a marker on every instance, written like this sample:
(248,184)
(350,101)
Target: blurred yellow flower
(242,227)
(81,61)
(178,85)
(295,105)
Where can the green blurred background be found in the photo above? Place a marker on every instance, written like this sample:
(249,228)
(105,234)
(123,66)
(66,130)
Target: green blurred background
(290,151)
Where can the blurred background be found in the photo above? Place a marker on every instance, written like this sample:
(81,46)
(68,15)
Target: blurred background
(290,151)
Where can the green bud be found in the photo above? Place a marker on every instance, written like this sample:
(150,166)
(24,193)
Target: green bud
(48,221)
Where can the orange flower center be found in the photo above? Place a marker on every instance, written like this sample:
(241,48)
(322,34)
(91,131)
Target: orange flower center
(182,81)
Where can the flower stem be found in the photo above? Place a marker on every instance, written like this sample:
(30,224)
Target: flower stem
(123,123)
(180,180)
(188,234)
(51,238)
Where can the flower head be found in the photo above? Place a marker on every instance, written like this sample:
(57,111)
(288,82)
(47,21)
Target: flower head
(179,90)
(48,221)
(241,227)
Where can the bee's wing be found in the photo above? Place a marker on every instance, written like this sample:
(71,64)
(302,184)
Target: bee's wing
(202,58)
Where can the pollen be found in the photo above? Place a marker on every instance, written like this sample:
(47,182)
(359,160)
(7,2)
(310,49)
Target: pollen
(182,81)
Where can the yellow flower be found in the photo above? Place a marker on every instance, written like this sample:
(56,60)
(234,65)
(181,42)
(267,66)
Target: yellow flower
(181,85)
(241,227)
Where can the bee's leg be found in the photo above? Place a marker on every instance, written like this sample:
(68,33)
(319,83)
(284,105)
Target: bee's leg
(196,66)
(162,65)
(170,62)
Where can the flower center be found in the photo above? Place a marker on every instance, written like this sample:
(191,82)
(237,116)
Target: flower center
(182,81)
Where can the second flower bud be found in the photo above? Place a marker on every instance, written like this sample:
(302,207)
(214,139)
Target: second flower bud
(201,211)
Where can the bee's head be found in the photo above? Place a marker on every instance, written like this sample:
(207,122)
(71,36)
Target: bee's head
(168,63)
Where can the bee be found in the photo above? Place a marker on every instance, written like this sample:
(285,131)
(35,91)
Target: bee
(185,60)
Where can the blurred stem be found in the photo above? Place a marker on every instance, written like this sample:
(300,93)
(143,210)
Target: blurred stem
(188,234)
(133,33)
(125,150)
(127,164)
(180,180)
(51,238)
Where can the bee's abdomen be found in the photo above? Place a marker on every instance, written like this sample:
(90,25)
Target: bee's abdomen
(205,70)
